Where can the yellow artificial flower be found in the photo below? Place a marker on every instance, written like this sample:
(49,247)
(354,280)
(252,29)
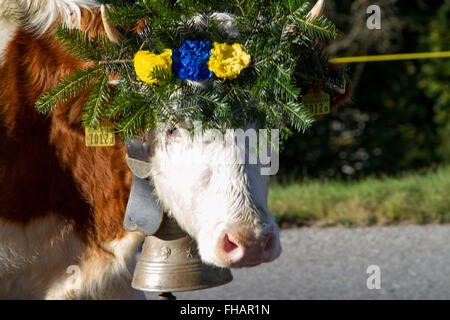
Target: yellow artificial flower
(145,62)
(227,61)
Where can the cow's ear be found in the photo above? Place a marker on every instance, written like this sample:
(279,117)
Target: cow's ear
(343,96)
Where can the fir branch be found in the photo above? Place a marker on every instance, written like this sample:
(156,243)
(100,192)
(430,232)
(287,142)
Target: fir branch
(68,88)
(288,90)
(127,14)
(133,122)
(95,107)
(321,28)
(298,119)
(80,44)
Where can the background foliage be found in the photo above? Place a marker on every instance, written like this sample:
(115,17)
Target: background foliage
(399,117)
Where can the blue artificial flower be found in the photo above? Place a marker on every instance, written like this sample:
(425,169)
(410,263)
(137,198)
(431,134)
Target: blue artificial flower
(190,61)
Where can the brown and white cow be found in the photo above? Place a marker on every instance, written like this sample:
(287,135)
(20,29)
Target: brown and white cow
(62,204)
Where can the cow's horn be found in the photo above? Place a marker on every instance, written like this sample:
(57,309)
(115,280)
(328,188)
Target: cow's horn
(316,11)
(113,34)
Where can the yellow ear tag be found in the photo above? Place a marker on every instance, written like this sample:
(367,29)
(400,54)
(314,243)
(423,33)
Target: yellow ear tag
(101,137)
(316,101)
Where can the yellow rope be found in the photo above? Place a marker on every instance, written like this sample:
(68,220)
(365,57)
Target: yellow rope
(393,57)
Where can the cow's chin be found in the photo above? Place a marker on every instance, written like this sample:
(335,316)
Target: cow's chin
(207,242)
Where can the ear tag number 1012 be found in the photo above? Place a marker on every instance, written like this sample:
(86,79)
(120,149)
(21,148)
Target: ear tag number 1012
(317,102)
(101,137)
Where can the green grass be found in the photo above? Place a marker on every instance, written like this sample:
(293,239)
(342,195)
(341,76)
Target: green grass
(413,198)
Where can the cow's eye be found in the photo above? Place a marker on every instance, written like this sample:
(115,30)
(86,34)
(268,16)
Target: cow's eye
(174,133)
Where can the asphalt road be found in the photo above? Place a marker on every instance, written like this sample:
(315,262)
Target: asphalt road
(332,263)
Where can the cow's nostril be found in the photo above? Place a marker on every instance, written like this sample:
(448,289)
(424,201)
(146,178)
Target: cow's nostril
(228,245)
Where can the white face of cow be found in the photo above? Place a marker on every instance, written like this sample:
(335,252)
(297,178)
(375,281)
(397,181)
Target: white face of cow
(219,201)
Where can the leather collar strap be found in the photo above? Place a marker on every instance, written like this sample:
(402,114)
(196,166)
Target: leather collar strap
(143,212)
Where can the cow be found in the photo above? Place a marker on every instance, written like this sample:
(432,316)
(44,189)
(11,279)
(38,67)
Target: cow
(62,204)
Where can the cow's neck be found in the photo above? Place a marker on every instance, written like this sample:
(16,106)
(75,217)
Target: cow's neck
(45,167)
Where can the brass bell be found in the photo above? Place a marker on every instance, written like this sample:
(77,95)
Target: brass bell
(170,262)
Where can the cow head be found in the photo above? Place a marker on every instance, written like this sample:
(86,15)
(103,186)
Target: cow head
(218,199)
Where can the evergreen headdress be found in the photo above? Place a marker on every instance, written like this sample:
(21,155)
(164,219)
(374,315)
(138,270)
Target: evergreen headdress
(182,60)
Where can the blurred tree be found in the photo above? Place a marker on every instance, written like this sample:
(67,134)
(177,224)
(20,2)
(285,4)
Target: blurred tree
(434,75)
(399,118)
